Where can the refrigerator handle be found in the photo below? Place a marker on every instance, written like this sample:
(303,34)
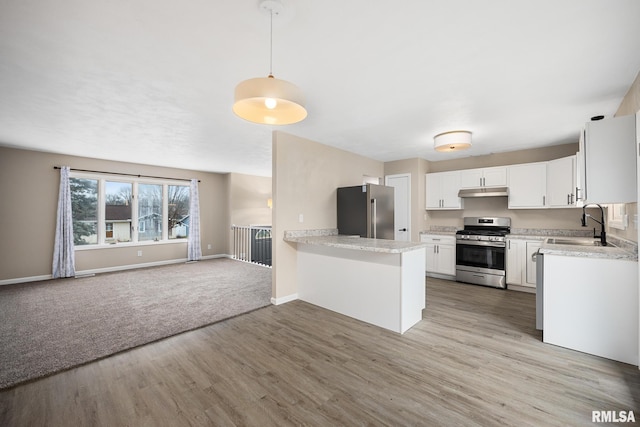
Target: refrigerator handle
(374,214)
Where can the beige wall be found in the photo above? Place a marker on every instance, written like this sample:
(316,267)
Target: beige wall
(305,176)
(248,196)
(630,105)
(29,193)
(511,158)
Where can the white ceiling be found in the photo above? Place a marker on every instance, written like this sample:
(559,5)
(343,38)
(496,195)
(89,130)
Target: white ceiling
(152,81)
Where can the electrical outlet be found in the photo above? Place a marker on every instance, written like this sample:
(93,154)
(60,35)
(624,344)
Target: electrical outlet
(209,246)
(139,253)
(300,218)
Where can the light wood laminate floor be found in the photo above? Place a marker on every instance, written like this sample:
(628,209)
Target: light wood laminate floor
(475,359)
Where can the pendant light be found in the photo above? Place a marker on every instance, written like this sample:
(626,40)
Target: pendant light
(267,100)
(456,140)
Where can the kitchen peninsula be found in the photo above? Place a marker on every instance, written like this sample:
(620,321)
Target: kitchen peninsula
(378,281)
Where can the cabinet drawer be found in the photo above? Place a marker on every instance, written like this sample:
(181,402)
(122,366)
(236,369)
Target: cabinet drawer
(437,239)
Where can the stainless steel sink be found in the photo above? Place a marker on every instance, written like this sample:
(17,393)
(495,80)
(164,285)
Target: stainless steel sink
(574,242)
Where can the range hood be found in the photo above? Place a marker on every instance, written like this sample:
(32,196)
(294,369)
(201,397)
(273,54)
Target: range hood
(484,192)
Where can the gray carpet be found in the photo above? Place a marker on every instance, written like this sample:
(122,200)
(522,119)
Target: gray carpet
(49,326)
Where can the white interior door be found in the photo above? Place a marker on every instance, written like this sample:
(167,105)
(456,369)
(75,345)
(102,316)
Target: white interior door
(402,205)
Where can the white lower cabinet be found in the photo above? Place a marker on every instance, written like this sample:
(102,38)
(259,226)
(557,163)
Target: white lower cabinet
(441,254)
(591,305)
(514,262)
(521,262)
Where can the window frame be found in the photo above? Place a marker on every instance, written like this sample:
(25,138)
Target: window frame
(617,216)
(135,181)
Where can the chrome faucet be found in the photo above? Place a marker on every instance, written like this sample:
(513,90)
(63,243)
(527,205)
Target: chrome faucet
(585,215)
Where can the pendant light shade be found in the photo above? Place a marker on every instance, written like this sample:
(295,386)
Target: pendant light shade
(271,101)
(452,141)
(267,100)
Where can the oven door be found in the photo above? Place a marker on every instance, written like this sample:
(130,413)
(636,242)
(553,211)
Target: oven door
(480,256)
(481,263)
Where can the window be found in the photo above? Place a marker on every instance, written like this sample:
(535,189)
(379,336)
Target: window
(617,216)
(149,212)
(116,211)
(84,203)
(178,211)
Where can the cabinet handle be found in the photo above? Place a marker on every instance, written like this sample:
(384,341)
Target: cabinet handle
(568,199)
(509,243)
(572,201)
(544,200)
(578,194)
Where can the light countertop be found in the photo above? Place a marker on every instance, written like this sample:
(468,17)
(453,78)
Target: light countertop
(609,252)
(357,243)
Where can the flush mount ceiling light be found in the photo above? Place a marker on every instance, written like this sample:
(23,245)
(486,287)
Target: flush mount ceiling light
(267,100)
(456,140)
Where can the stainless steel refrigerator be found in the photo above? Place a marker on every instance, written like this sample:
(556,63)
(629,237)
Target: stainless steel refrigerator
(367,211)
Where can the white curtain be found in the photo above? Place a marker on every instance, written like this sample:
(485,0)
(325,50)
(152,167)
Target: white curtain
(194,251)
(63,250)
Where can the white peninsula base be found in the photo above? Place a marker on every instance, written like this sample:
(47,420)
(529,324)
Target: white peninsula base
(383,287)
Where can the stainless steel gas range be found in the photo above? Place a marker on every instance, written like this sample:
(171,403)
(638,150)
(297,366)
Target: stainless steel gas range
(480,251)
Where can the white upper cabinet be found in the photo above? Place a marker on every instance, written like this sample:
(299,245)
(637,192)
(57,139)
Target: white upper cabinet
(561,182)
(609,155)
(528,186)
(442,190)
(485,177)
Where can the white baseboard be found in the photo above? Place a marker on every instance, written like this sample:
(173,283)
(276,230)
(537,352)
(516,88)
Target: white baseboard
(283,300)
(94,271)
(25,279)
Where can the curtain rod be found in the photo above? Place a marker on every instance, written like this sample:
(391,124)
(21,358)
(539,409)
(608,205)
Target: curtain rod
(126,174)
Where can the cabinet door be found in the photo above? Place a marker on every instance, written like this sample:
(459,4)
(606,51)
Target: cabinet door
(495,177)
(532,249)
(580,171)
(447,259)
(432,265)
(450,189)
(561,182)
(471,178)
(610,160)
(514,262)
(442,190)
(527,185)
(434,190)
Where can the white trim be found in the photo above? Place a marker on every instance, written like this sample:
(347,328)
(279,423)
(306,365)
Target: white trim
(409,202)
(94,271)
(26,279)
(129,244)
(285,299)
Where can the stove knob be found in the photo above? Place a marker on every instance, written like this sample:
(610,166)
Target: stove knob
(477,237)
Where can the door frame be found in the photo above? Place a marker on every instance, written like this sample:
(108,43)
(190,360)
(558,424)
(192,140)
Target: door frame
(409,213)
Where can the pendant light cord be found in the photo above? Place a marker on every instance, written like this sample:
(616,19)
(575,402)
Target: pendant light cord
(271,47)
